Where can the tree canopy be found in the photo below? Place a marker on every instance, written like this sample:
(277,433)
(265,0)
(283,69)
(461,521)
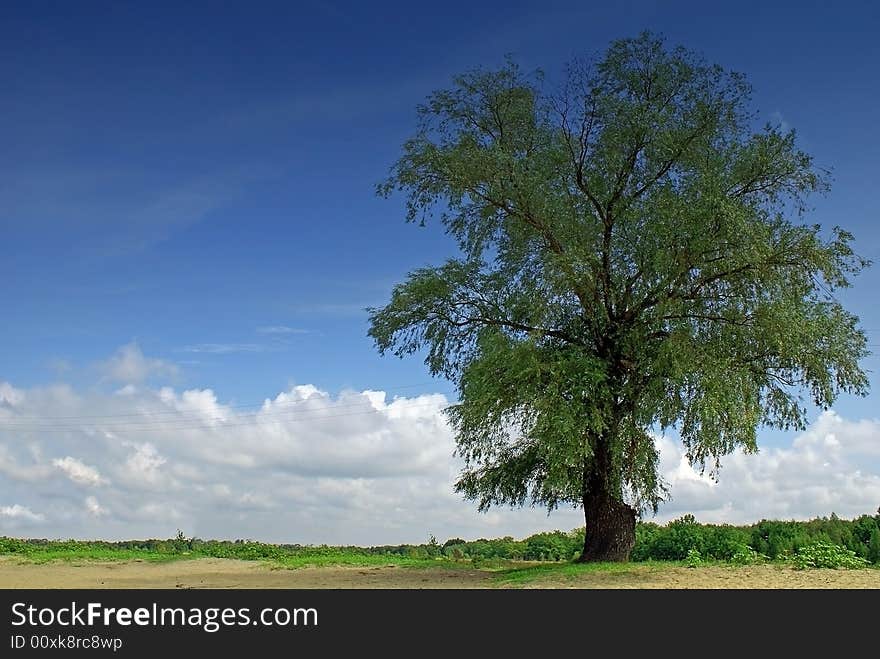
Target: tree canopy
(633,257)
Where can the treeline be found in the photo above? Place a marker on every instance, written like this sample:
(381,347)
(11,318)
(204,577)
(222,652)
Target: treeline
(773,539)
(677,540)
(684,537)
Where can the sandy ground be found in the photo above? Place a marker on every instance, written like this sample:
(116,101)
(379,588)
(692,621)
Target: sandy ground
(218,573)
(760,576)
(223,573)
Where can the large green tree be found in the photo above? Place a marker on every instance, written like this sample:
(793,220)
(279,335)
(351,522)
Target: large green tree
(632,258)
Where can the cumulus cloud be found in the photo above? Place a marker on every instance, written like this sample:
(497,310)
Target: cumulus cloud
(78,472)
(94,508)
(143,466)
(27,469)
(354,467)
(19,512)
(9,395)
(831,467)
(129,365)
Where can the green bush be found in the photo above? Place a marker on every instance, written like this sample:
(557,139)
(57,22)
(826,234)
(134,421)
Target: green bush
(675,540)
(693,558)
(775,538)
(646,532)
(723,542)
(745,555)
(552,546)
(827,555)
(455,552)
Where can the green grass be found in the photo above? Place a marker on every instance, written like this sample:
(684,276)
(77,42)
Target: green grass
(43,551)
(514,576)
(280,556)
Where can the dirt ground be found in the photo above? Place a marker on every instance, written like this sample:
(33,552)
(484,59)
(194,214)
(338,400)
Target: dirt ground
(219,573)
(224,573)
(758,576)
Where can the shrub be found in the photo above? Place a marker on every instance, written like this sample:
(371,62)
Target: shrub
(827,555)
(693,558)
(723,542)
(677,539)
(745,555)
(455,552)
(775,538)
(552,546)
(646,532)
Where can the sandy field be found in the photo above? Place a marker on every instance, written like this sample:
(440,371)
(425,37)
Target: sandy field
(224,573)
(220,573)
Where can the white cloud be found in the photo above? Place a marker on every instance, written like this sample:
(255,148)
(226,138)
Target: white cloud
(831,467)
(79,472)
(25,470)
(129,365)
(19,512)
(357,467)
(9,396)
(94,508)
(143,466)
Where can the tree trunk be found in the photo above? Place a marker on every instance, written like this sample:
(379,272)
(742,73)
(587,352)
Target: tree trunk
(610,530)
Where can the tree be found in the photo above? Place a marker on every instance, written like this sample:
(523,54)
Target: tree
(874,546)
(632,259)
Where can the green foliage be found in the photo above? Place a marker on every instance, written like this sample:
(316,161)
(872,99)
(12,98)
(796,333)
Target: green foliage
(627,262)
(827,555)
(723,542)
(800,542)
(646,532)
(433,548)
(873,553)
(676,539)
(766,540)
(776,538)
(745,555)
(553,546)
(674,542)
(693,558)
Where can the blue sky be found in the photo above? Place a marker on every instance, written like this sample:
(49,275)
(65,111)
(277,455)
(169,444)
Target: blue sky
(192,188)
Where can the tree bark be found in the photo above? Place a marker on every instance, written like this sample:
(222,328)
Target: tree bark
(610,524)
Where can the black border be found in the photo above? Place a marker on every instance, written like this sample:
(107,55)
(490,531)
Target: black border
(464,623)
